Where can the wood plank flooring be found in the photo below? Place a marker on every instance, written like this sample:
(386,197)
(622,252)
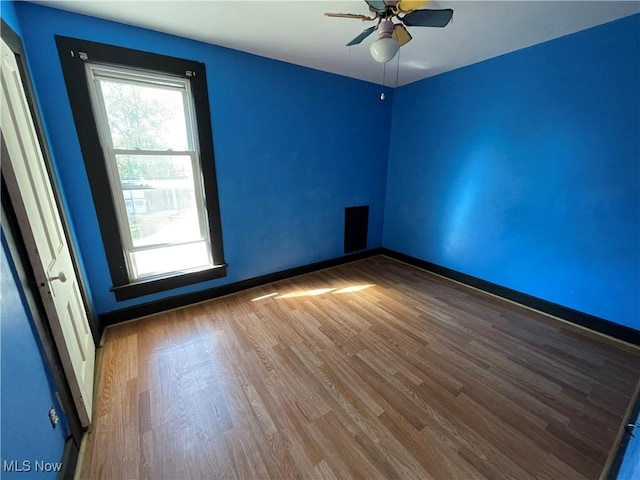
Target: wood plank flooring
(369,370)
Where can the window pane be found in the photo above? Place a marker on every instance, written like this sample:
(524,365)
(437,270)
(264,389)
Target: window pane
(170,259)
(159,198)
(145,117)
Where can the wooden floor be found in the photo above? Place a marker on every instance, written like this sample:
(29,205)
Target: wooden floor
(369,370)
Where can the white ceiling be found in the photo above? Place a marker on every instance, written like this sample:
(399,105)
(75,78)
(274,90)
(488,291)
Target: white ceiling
(296,31)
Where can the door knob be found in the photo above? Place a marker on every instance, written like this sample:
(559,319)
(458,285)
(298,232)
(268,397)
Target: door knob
(61,276)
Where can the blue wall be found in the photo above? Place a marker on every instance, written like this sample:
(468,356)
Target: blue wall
(26,385)
(524,171)
(293,147)
(9,15)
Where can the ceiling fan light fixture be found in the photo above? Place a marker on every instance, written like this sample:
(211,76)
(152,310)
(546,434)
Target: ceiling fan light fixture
(384,49)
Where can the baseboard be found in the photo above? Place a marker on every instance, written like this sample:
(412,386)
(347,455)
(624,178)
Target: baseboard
(69,460)
(130,313)
(586,320)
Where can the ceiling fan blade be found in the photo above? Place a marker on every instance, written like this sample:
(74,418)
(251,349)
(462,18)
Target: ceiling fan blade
(358,16)
(377,5)
(362,36)
(428,18)
(407,6)
(400,34)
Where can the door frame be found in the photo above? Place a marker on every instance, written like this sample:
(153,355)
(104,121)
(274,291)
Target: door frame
(19,253)
(28,284)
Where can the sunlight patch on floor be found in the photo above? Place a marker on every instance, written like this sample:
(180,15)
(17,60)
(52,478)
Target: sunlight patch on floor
(354,288)
(264,296)
(307,293)
(316,292)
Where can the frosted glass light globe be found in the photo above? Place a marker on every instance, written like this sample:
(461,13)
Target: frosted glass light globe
(384,49)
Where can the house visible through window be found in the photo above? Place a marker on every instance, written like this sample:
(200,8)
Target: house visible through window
(154,188)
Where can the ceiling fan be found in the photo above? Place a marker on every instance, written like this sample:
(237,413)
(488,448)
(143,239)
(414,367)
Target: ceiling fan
(391,36)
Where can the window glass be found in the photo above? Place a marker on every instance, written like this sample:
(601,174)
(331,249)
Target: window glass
(174,258)
(145,117)
(160,199)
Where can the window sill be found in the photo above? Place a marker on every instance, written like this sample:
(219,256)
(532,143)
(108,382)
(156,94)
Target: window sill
(161,284)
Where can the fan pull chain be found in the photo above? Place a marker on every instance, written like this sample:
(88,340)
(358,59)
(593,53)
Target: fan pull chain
(384,73)
(398,68)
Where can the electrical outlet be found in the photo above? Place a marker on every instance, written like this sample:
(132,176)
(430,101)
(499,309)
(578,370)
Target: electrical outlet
(53,417)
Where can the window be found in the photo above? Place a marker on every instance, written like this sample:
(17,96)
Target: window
(145,124)
(145,133)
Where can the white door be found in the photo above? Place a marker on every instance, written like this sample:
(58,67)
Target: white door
(32,197)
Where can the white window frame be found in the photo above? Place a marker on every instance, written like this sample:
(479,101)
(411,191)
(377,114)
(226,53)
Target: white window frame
(95,72)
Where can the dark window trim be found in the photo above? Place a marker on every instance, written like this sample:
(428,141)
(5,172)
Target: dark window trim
(72,61)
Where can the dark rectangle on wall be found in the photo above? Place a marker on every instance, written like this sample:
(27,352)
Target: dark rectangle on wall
(356,228)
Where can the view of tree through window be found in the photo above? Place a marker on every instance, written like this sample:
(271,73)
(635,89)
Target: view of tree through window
(145,117)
